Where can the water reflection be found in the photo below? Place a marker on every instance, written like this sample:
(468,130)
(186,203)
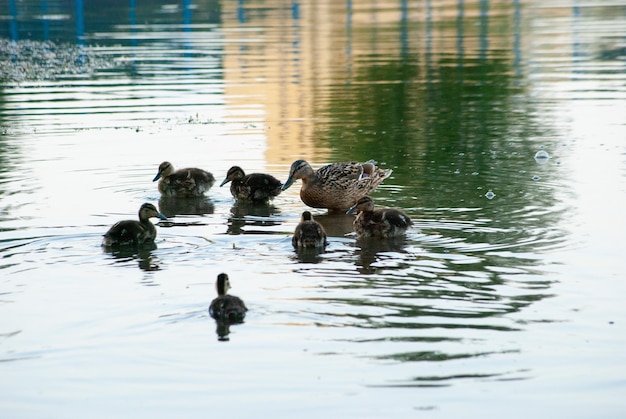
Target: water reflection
(171,206)
(336,225)
(456,97)
(373,252)
(144,256)
(251,214)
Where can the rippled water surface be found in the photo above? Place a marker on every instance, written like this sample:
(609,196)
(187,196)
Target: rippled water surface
(504,124)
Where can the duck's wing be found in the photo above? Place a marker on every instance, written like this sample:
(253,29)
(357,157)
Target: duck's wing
(126,231)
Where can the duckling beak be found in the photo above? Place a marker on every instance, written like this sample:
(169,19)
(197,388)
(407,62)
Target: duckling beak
(287,183)
(157,177)
(351,209)
(161,216)
(224,182)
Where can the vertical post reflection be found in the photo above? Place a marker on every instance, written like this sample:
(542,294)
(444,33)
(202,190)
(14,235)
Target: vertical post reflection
(404,29)
(80,22)
(484,30)
(459,35)
(13,24)
(241,15)
(348,41)
(517,48)
(46,23)
(430,72)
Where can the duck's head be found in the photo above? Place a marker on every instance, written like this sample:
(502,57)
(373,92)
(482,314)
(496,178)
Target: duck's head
(299,169)
(222,284)
(148,211)
(306,216)
(165,169)
(233,173)
(364,204)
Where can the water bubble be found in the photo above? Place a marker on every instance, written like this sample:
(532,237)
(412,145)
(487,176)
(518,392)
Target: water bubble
(542,157)
(535,178)
(490,194)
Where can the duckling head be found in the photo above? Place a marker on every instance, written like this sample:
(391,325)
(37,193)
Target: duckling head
(222,284)
(299,169)
(234,173)
(364,204)
(165,169)
(148,210)
(306,216)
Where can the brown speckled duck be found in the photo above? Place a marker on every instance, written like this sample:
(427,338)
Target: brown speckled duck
(255,187)
(185,183)
(379,222)
(309,233)
(132,231)
(336,186)
(225,307)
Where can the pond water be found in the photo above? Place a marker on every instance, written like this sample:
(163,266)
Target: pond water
(504,124)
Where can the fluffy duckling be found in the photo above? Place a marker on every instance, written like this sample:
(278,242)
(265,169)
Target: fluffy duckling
(309,233)
(226,307)
(132,231)
(379,222)
(255,187)
(336,186)
(189,182)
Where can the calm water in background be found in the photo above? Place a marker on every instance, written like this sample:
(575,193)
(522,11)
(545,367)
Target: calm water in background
(506,298)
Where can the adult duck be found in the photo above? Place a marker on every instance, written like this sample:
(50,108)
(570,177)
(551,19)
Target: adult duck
(185,183)
(255,187)
(226,307)
(132,231)
(378,222)
(336,186)
(309,233)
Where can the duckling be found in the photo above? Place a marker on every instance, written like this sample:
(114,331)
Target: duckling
(255,187)
(309,233)
(336,186)
(226,307)
(379,222)
(189,182)
(132,231)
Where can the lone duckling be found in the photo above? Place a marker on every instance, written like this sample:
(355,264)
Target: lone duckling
(184,183)
(132,231)
(379,222)
(336,186)
(309,233)
(255,187)
(225,307)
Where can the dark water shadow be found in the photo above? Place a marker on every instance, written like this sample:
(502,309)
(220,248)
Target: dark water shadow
(171,206)
(222,329)
(309,255)
(336,225)
(245,215)
(142,254)
(371,250)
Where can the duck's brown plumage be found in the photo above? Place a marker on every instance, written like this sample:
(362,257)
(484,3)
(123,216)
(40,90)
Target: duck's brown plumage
(378,222)
(309,233)
(226,308)
(132,231)
(336,186)
(185,183)
(255,187)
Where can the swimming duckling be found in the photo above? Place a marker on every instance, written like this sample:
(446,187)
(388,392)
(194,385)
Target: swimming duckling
(189,182)
(132,231)
(255,187)
(336,186)
(309,233)
(226,307)
(379,222)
